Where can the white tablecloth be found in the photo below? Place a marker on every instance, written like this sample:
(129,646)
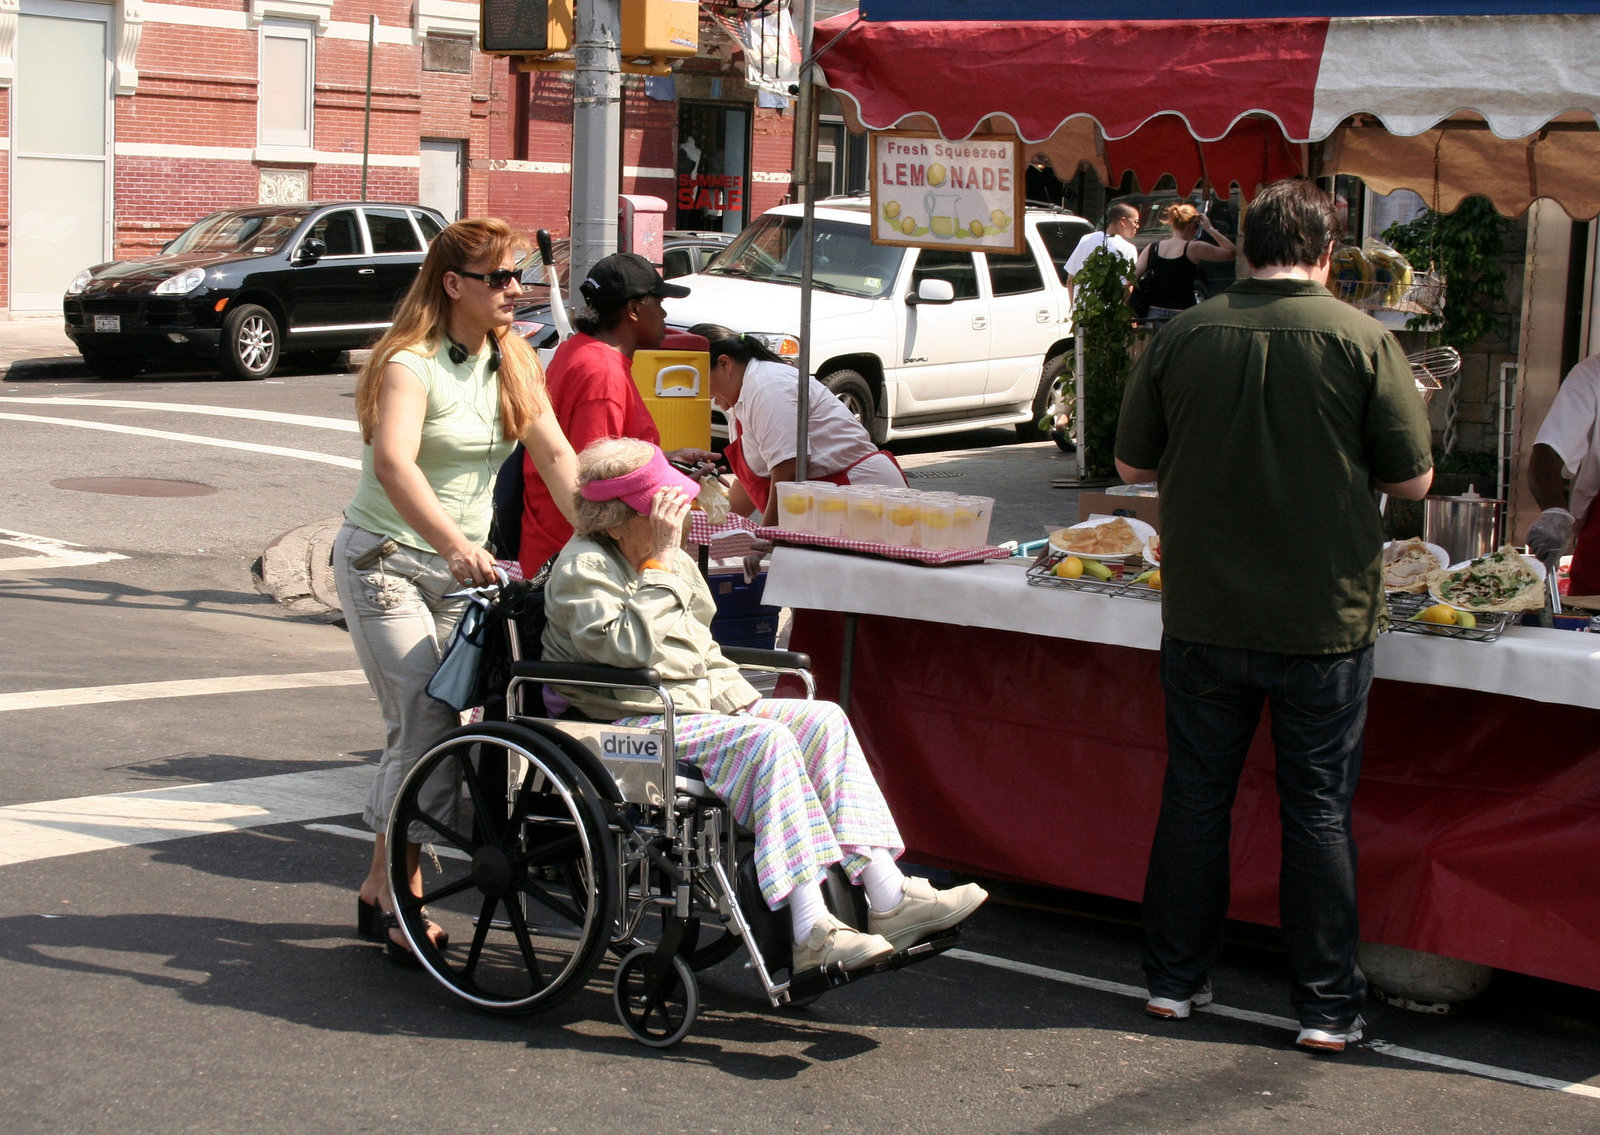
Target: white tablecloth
(1526,662)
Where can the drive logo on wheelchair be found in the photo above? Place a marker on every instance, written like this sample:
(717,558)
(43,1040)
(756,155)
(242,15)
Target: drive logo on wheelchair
(632,746)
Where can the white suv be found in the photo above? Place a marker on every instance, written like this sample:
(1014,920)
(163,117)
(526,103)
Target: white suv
(915,341)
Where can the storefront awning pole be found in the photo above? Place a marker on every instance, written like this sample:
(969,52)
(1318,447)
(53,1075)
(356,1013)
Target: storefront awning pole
(804,181)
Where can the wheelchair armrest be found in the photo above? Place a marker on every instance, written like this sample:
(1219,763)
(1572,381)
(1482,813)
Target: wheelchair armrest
(769,659)
(585,673)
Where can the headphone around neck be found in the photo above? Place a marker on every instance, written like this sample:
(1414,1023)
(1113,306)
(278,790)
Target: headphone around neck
(459,354)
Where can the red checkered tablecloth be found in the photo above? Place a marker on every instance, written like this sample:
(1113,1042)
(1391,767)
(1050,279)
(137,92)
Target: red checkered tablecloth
(734,539)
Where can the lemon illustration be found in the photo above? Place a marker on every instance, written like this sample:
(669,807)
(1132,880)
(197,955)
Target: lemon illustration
(892,210)
(936,174)
(908,225)
(976,228)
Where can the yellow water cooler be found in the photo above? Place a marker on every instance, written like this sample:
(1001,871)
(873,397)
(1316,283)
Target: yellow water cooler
(675,381)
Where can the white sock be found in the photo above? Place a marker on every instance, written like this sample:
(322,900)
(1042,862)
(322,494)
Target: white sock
(806,908)
(883,881)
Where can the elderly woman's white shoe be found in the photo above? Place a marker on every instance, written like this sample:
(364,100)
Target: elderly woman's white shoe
(924,911)
(832,942)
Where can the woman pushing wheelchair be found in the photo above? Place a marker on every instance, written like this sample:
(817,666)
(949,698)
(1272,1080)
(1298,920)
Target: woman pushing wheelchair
(623,593)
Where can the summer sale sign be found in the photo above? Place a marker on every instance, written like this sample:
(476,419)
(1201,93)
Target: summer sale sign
(930,192)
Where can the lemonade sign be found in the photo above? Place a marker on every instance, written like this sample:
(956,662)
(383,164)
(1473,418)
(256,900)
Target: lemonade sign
(930,192)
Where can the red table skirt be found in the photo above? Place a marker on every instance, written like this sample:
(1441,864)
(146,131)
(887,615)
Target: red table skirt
(1040,759)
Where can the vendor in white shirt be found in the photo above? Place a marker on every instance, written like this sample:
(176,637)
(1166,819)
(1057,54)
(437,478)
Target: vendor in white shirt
(1568,445)
(759,393)
(1122,223)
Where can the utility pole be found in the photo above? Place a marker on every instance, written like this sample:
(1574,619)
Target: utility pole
(805,184)
(596,134)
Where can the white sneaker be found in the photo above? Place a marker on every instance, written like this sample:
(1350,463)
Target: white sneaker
(1321,1040)
(924,911)
(832,942)
(1172,1009)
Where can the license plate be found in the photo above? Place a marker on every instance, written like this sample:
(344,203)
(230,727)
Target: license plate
(107,323)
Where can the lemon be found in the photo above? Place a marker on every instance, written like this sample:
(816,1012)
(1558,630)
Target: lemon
(908,225)
(891,210)
(1000,218)
(1070,568)
(976,228)
(936,174)
(1155,580)
(1440,613)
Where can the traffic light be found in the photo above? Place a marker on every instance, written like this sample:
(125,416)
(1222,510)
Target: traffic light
(525,27)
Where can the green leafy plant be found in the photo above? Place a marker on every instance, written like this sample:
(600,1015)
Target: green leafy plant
(1104,321)
(1465,248)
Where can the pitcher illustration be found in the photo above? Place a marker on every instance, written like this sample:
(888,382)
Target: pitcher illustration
(942,209)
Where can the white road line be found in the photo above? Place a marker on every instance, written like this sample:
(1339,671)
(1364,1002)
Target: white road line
(193,439)
(1384,1048)
(48,553)
(50,828)
(343,425)
(182,688)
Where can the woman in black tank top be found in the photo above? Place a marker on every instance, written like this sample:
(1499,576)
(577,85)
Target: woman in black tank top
(1174,261)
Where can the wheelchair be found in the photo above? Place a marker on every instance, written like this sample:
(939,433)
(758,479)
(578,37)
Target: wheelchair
(548,842)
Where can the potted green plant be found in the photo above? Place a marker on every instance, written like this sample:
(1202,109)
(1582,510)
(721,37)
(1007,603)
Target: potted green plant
(1104,326)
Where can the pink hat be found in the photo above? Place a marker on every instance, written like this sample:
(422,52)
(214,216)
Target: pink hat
(638,489)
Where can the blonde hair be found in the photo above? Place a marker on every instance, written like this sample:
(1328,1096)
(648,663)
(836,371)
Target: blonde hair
(600,461)
(423,315)
(1180,215)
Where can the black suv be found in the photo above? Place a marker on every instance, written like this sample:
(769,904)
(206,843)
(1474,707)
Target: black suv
(245,286)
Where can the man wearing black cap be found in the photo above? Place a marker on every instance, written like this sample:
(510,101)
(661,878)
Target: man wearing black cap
(591,384)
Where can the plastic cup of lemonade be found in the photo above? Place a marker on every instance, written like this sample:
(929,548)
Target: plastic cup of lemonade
(795,506)
(972,521)
(902,519)
(864,513)
(827,509)
(938,514)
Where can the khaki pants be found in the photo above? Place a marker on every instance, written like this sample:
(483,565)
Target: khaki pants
(400,624)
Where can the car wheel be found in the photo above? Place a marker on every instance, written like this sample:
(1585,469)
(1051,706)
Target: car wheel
(851,389)
(1044,398)
(251,342)
(112,368)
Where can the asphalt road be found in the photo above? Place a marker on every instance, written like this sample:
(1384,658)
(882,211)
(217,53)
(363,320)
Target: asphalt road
(182,765)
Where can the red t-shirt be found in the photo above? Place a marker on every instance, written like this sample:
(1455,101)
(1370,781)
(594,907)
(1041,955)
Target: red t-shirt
(593,394)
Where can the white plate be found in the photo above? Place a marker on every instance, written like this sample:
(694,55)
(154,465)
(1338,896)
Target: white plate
(1534,566)
(1439,554)
(1140,529)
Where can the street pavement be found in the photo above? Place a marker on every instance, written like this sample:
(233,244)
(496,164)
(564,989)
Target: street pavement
(183,762)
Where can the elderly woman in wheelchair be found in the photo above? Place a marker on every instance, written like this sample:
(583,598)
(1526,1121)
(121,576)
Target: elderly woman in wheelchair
(624,593)
(631,790)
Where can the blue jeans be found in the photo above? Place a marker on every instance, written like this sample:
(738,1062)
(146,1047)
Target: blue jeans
(1214,697)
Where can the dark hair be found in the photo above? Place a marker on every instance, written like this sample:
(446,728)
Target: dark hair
(742,348)
(1291,222)
(593,320)
(1117,211)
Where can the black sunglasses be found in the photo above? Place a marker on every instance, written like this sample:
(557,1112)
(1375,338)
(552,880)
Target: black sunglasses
(499,279)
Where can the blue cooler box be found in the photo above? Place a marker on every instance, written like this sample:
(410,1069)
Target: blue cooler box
(742,619)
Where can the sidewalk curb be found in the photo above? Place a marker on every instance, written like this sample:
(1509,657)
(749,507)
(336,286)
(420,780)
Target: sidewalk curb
(296,570)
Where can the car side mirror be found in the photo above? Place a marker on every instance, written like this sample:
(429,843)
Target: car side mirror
(311,250)
(932,291)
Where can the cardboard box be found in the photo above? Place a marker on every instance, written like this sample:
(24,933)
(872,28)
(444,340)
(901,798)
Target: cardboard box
(1147,509)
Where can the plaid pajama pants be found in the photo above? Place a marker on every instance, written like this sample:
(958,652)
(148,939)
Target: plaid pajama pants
(792,772)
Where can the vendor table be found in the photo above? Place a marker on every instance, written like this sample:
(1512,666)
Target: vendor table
(1018,732)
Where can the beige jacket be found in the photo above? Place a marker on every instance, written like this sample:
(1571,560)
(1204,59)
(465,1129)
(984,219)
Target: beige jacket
(602,611)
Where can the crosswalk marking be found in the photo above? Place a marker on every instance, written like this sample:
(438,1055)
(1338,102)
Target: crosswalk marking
(47,553)
(46,829)
(344,425)
(193,439)
(179,688)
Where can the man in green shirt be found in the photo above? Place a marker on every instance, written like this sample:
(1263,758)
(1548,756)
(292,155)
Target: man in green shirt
(1270,417)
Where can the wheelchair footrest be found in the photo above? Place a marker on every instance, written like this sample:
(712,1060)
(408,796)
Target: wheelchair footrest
(814,982)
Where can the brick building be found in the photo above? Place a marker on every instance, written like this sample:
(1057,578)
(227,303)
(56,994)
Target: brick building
(124,121)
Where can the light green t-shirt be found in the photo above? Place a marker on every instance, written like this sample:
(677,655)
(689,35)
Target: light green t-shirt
(462,449)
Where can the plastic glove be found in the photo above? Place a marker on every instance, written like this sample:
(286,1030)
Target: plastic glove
(1551,534)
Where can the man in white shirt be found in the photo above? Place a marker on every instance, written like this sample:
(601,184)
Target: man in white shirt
(1122,222)
(1568,445)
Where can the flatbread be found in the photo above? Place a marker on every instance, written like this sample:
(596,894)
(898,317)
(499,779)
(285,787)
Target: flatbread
(1503,580)
(1115,537)
(1407,565)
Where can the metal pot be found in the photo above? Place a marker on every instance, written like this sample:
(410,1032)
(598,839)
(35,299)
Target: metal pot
(1467,526)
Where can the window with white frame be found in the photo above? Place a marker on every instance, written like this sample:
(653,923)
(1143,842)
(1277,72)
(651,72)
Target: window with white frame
(287,74)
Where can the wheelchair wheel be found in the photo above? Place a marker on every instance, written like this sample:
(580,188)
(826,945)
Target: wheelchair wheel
(661,1018)
(518,867)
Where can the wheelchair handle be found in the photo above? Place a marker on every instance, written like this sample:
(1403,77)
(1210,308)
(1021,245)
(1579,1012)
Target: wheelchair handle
(586,674)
